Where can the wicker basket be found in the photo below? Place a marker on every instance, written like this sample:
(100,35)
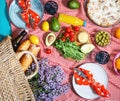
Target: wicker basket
(13,82)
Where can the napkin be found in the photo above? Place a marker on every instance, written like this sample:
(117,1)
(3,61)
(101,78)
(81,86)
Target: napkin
(5,27)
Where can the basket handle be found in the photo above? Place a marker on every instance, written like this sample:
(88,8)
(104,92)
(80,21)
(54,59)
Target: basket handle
(21,53)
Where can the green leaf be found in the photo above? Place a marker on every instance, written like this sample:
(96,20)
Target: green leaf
(69,49)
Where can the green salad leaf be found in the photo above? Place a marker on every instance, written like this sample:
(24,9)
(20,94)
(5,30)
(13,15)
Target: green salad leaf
(69,49)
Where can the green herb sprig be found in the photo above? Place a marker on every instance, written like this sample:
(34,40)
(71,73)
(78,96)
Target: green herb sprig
(69,49)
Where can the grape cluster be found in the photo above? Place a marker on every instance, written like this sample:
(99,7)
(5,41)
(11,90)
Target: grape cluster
(102,57)
(47,84)
(51,7)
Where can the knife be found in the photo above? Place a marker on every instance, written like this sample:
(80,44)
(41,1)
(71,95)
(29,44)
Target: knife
(80,73)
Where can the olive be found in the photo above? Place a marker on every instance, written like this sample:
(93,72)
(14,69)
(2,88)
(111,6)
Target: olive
(102,41)
(104,44)
(102,38)
(104,35)
(106,40)
(99,43)
(97,40)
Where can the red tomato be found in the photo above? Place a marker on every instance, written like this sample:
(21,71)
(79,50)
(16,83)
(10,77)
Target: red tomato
(48,51)
(76,28)
(63,39)
(68,29)
(72,39)
(72,33)
(66,34)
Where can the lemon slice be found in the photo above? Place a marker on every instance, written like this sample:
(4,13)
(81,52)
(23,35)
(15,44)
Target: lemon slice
(34,39)
(87,48)
(83,37)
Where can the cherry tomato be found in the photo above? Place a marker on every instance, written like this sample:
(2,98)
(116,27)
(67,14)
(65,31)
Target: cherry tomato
(63,39)
(72,33)
(76,28)
(66,34)
(48,51)
(68,29)
(72,39)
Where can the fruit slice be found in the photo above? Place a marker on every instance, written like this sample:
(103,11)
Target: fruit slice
(83,37)
(50,38)
(87,48)
(117,63)
(117,33)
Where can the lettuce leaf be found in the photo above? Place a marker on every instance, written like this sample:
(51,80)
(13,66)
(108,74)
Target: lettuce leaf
(69,49)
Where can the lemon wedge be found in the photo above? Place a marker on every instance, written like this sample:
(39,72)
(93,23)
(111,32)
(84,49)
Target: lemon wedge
(87,48)
(34,39)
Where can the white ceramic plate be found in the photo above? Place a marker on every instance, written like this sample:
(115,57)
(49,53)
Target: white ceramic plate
(99,75)
(14,11)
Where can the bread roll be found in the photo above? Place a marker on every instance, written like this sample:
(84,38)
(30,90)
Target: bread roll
(26,59)
(24,45)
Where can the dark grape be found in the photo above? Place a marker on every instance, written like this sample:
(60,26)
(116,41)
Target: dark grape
(102,57)
(51,7)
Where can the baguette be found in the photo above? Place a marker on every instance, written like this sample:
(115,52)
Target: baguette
(24,45)
(26,59)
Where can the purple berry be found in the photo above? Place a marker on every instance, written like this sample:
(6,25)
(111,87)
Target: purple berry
(102,57)
(51,7)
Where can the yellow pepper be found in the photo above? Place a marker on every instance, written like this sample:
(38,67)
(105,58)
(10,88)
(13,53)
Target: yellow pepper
(71,20)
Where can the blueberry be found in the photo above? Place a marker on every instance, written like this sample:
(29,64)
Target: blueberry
(51,7)
(48,7)
(52,12)
(102,57)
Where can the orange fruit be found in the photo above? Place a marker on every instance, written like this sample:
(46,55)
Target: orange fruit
(117,63)
(117,33)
